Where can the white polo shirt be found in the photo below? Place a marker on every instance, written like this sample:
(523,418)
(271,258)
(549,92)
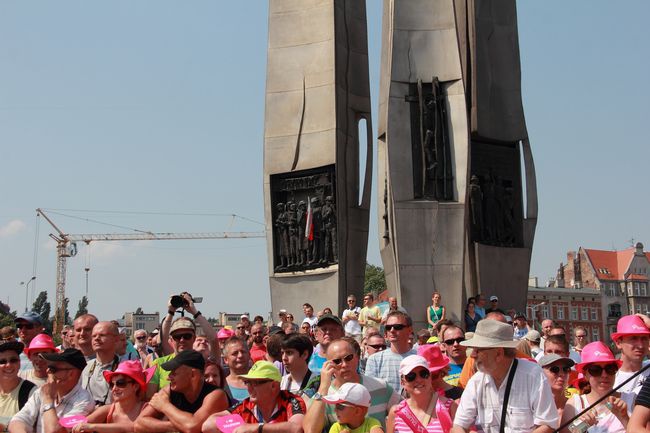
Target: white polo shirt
(530,403)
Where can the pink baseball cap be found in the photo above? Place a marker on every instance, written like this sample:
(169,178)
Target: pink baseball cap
(41,342)
(225,333)
(630,325)
(596,353)
(434,356)
(133,369)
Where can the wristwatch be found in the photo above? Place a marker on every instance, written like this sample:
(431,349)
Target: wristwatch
(47,407)
(317,396)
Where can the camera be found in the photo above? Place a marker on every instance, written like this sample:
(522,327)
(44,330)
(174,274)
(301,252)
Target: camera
(178,301)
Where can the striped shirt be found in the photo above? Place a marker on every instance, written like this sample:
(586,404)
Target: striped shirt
(385,365)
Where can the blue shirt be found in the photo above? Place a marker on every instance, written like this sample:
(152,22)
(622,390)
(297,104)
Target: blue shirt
(316,363)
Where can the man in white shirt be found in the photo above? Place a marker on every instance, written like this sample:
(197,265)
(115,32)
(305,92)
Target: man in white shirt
(308,310)
(530,406)
(631,338)
(296,351)
(350,319)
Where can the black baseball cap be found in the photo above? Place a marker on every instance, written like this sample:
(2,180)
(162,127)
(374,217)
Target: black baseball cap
(74,357)
(330,317)
(16,346)
(191,358)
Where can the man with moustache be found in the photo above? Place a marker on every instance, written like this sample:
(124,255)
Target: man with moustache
(530,406)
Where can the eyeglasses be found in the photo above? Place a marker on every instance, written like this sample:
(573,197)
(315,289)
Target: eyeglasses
(255,383)
(25,325)
(451,341)
(342,406)
(120,383)
(346,358)
(397,327)
(53,369)
(144,337)
(350,300)
(555,369)
(378,346)
(240,327)
(185,336)
(597,370)
(424,374)
(9,361)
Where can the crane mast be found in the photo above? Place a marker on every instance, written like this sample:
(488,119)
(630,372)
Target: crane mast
(66,247)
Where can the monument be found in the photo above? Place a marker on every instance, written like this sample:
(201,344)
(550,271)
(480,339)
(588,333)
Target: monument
(316,197)
(455,165)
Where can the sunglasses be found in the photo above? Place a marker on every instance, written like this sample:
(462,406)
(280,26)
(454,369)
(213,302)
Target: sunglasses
(346,358)
(185,336)
(120,383)
(52,369)
(397,327)
(9,361)
(24,325)
(451,341)
(424,374)
(240,327)
(597,370)
(342,406)
(144,337)
(555,369)
(378,346)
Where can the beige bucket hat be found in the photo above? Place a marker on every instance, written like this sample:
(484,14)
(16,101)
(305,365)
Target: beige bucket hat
(490,333)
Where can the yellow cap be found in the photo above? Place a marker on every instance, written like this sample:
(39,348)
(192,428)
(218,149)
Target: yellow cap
(263,370)
(432,340)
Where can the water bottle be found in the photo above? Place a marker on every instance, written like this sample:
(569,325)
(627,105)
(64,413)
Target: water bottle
(602,410)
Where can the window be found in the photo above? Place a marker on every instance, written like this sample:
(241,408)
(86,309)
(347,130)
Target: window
(560,312)
(638,309)
(584,313)
(629,290)
(545,313)
(614,310)
(636,289)
(644,290)
(611,289)
(574,313)
(595,334)
(594,314)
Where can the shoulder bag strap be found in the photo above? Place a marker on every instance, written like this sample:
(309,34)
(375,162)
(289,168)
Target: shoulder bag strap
(511,376)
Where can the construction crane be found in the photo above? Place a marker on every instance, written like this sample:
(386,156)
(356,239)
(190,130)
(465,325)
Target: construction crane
(66,246)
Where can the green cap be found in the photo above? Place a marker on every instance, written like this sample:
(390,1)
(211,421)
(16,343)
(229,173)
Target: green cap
(263,370)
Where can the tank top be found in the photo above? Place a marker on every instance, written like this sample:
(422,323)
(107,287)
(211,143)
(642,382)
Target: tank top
(609,424)
(180,402)
(433,426)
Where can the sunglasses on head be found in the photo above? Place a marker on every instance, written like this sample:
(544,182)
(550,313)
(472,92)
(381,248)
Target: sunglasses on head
(120,383)
(184,336)
(24,325)
(555,369)
(9,361)
(346,358)
(597,370)
(397,327)
(424,374)
(378,346)
(451,341)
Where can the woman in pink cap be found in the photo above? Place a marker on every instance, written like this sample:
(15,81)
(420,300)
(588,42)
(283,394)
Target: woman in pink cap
(128,384)
(424,411)
(599,366)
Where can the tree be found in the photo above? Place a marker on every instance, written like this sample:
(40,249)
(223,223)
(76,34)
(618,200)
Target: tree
(43,308)
(375,280)
(83,307)
(7,319)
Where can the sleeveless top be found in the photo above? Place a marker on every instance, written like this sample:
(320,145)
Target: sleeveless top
(180,402)
(434,314)
(433,426)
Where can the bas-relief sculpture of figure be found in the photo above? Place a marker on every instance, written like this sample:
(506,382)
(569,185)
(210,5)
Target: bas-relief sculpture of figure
(281,230)
(329,224)
(452,131)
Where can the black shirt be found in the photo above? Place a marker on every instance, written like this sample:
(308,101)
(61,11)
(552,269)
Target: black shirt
(180,402)
(644,395)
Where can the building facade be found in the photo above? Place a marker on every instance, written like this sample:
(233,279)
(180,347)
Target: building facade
(146,321)
(620,276)
(568,307)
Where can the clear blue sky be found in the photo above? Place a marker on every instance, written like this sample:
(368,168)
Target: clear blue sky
(158,106)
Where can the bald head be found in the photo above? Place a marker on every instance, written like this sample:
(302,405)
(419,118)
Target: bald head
(495,315)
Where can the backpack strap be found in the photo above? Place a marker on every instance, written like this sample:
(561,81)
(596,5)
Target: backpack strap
(23,393)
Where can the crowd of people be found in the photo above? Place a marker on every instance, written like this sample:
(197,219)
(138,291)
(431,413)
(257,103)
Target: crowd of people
(363,371)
